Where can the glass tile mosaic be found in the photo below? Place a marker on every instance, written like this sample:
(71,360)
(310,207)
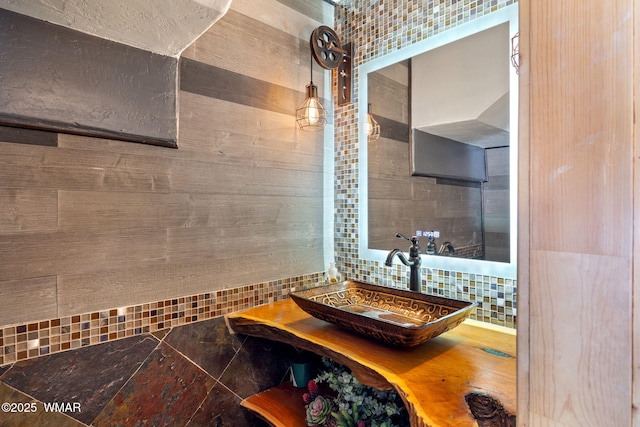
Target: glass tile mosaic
(376,28)
(26,341)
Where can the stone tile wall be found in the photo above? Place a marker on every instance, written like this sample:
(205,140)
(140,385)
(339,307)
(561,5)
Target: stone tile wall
(191,375)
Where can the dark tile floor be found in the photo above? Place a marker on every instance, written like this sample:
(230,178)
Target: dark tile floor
(194,375)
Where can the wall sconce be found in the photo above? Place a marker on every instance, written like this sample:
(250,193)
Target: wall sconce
(371,126)
(328,53)
(515,52)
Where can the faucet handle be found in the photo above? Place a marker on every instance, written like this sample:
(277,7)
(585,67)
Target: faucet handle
(413,239)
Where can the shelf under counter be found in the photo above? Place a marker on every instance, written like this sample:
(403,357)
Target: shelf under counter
(432,378)
(281,406)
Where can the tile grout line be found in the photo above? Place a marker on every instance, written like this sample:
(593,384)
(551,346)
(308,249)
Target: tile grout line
(130,376)
(29,340)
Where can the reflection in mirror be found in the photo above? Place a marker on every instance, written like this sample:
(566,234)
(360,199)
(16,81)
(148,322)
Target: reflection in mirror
(446,157)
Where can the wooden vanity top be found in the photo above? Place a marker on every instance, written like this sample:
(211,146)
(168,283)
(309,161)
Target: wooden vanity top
(433,378)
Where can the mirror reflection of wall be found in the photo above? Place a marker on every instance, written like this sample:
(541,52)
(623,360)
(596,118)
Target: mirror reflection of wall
(496,205)
(458,93)
(389,180)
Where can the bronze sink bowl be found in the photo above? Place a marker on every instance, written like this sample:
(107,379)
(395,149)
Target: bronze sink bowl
(393,316)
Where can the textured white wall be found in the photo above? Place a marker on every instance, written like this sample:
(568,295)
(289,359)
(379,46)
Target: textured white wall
(164,27)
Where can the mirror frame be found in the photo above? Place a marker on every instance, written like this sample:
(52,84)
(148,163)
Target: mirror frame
(499,269)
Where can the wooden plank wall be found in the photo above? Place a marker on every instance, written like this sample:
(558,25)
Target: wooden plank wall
(575,355)
(635,326)
(89,224)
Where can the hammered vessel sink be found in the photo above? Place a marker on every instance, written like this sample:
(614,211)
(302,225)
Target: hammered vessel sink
(393,316)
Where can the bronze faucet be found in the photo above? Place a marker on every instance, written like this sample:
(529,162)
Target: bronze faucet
(447,246)
(414,262)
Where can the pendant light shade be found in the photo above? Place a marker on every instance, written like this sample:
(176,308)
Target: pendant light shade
(311,115)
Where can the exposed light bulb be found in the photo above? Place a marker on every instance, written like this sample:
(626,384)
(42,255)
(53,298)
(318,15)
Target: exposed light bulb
(371,126)
(311,115)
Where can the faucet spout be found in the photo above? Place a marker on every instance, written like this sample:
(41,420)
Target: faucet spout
(394,252)
(447,246)
(413,262)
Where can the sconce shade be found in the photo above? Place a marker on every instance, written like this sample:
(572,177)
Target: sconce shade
(311,115)
(371,126)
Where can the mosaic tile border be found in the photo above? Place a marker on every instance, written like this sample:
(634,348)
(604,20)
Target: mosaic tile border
(377,28)
(497,296)
(33,339)
(40,338)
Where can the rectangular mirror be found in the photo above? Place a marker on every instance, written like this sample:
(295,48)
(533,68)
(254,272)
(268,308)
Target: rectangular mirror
(446,158)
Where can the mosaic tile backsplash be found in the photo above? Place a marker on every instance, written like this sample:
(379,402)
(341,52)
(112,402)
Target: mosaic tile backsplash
(33,339)
(376,28)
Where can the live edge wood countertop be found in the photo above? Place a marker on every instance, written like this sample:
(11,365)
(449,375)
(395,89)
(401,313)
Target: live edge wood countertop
(432,378)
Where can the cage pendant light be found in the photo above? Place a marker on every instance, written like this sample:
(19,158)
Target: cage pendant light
(371,126)
(311,115)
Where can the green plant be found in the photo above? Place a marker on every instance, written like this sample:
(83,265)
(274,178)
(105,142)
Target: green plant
(355,404)
(318,411)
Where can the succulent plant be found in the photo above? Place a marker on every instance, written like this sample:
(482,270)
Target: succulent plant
(351,403)
(318,410)
(313,392)
(357,404)
(313,389)
(349,418)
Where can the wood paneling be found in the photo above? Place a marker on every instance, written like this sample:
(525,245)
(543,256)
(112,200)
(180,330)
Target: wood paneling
(24,300)
(581,348)
(214,82)
(187,276)
(112,224)
(524,175)
(636,228)
(23,210)
(256,137)
(193,243)
(279,53)
(24,166)
(27,255)
(577,135)
(28,136)
(582,84)
(86,211)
